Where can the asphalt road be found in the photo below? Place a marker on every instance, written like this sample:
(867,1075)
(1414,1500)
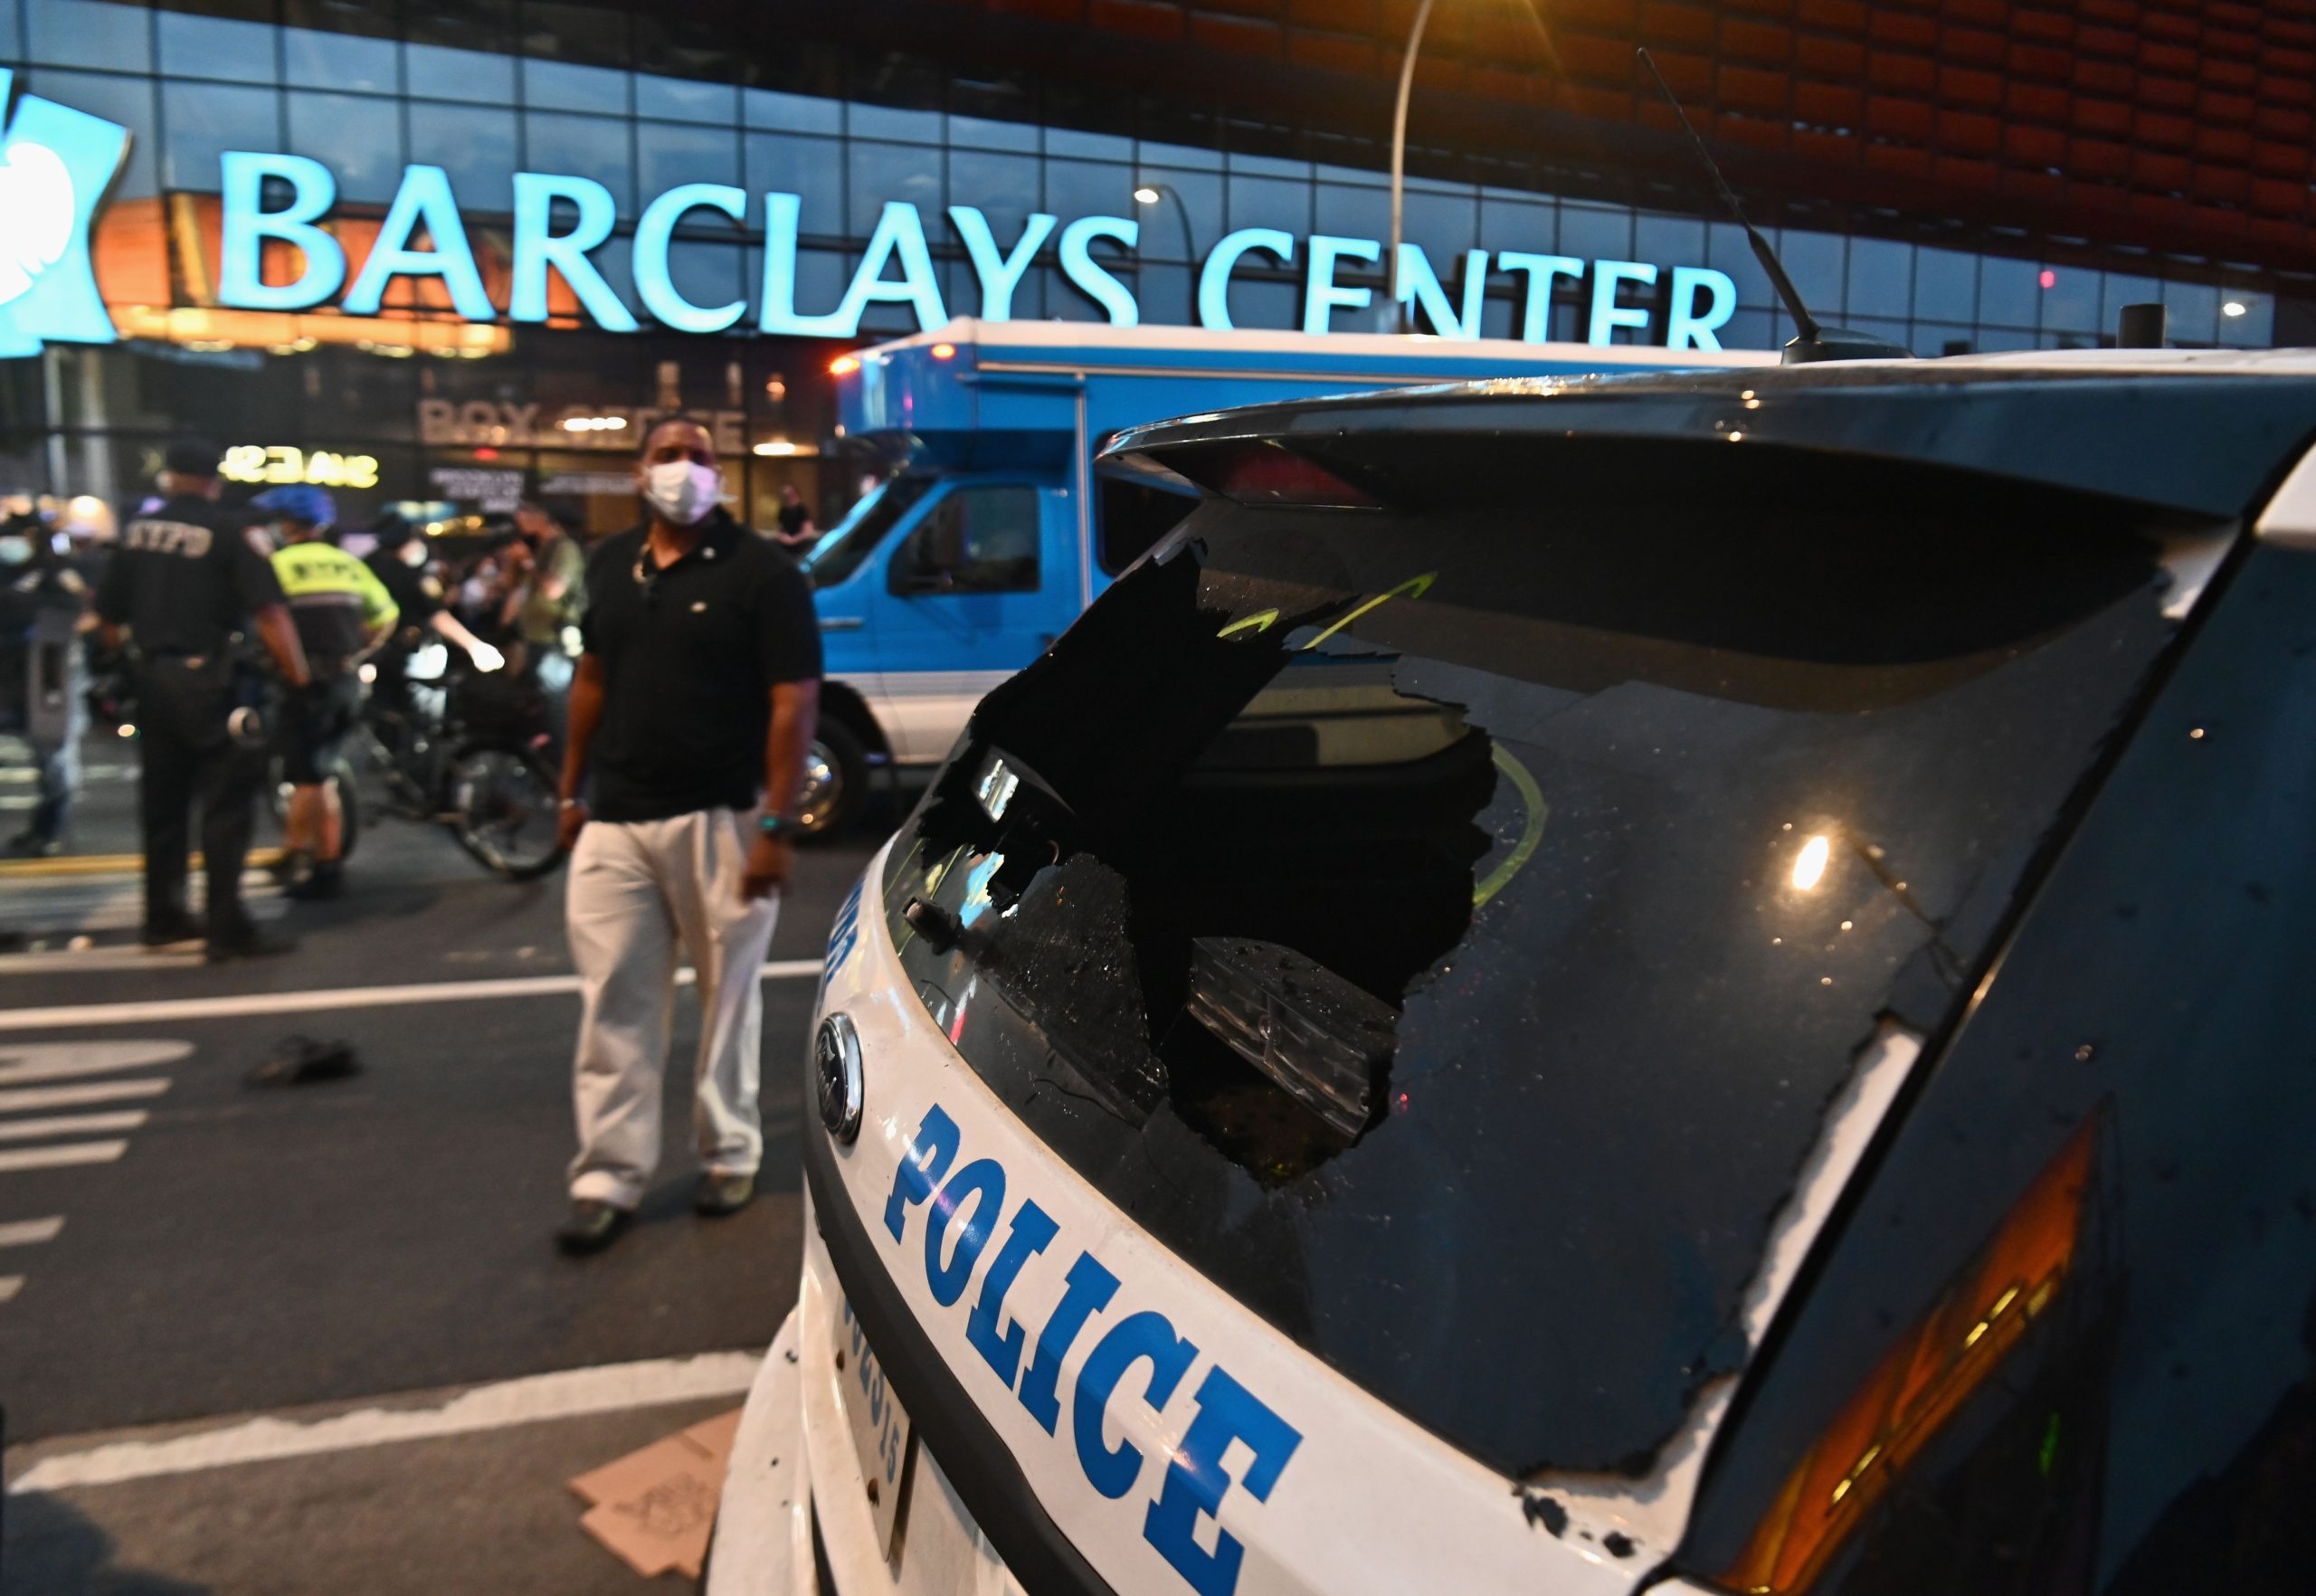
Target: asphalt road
(226,1253)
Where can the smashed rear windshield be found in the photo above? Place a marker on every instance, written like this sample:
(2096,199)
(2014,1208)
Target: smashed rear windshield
(1445,929)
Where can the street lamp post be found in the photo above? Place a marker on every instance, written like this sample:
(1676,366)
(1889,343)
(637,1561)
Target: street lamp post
(1395,317)
(1149,194)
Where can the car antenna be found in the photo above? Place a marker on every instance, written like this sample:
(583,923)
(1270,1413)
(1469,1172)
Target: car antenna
(1812,341)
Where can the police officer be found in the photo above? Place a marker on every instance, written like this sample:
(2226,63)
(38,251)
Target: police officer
(186,576)
(342,613)
(403,566)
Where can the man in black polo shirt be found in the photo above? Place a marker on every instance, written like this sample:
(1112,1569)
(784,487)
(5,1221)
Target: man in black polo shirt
(692,708)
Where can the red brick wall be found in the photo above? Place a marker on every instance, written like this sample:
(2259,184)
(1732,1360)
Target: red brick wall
(2165,115)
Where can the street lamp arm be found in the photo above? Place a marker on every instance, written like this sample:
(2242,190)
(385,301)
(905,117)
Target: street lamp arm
(1398,313)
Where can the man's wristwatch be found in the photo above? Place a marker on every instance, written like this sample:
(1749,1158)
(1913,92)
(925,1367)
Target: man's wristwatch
(780,825)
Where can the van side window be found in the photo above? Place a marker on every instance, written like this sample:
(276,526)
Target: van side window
(976,540)
(1131,516)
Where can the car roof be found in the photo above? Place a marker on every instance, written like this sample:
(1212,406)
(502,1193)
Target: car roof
(2205,433)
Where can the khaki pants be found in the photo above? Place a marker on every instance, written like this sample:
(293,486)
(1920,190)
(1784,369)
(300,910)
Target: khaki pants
(637,892)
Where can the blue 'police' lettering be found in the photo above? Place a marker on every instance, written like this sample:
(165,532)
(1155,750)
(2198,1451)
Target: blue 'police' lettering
(1194,1484)
(1087,1290)
(925,1161)
(1138,1337)
(965,1208)
(981,1183)
(1032,1229)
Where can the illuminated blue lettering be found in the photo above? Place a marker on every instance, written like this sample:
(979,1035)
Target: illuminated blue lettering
(1143,1337)
(1536,297)
(1214,277)
(425,197)
(1033,1229)
(1608,276)
(925,1161)
(536,249)
(1321,294)
(777,311)
(1090,276)
(900,236)
(1419,286)
(999,274)
(1687,328)
(1195,1483)
(981,1183)
(247,225)
(652,231)
(1086,1291)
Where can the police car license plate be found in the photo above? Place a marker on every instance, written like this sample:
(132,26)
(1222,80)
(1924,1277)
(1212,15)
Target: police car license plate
(879,1426)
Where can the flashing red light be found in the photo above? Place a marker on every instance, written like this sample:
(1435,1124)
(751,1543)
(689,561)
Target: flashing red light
(2049,278)
(843,364)
(486,453)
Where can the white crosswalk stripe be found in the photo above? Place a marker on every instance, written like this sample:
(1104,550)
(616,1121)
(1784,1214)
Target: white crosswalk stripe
(36,1077)
(24,1063)
(71,1125)
(70,1153)
(33,1100)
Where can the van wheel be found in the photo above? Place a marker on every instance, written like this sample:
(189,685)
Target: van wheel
(836,780)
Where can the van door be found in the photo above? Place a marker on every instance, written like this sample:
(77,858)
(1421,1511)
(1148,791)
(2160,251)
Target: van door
(981,581)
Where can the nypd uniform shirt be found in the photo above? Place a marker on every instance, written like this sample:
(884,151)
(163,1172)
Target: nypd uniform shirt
(334,598)
(690,654)
(186,576)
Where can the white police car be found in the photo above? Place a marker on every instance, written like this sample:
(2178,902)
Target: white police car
(1682,983)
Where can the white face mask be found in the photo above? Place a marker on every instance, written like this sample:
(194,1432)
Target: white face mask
(682,490)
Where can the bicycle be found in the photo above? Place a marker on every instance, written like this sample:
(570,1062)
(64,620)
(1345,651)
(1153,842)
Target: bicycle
(469,751)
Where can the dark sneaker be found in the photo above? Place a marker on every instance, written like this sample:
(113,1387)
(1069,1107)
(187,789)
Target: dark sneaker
(33,845)
(247,941)
(721,1194)
(589,1227)
(174,930)
(324,881)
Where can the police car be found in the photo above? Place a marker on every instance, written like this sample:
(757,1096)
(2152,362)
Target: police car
(1691,983)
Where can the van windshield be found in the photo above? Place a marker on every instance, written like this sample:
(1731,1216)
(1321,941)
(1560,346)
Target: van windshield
(1445,929)
(838,554)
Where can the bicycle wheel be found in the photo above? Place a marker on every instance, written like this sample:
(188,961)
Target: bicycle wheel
(506,812)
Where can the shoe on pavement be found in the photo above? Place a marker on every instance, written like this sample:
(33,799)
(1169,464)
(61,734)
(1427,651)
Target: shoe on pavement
(178,928)
(590,1226)
(248,942)
(33,845)
(722,1193)
(323,880)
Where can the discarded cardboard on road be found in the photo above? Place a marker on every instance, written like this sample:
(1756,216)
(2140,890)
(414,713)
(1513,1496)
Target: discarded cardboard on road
(653,1508)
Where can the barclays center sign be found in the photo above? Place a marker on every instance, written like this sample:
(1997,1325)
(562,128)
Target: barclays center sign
(559,222)
(277,254)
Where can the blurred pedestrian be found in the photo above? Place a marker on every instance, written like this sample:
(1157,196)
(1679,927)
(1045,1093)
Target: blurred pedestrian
(43,598)
(184,579)
(691,715)
(797,533)
(343,614)
(546,608)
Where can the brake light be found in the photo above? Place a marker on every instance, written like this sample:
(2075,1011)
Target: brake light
(1260,471)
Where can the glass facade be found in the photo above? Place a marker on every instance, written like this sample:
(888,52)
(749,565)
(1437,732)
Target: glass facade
(492,87)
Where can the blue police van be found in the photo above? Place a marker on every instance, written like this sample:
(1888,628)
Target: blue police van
(991,532)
